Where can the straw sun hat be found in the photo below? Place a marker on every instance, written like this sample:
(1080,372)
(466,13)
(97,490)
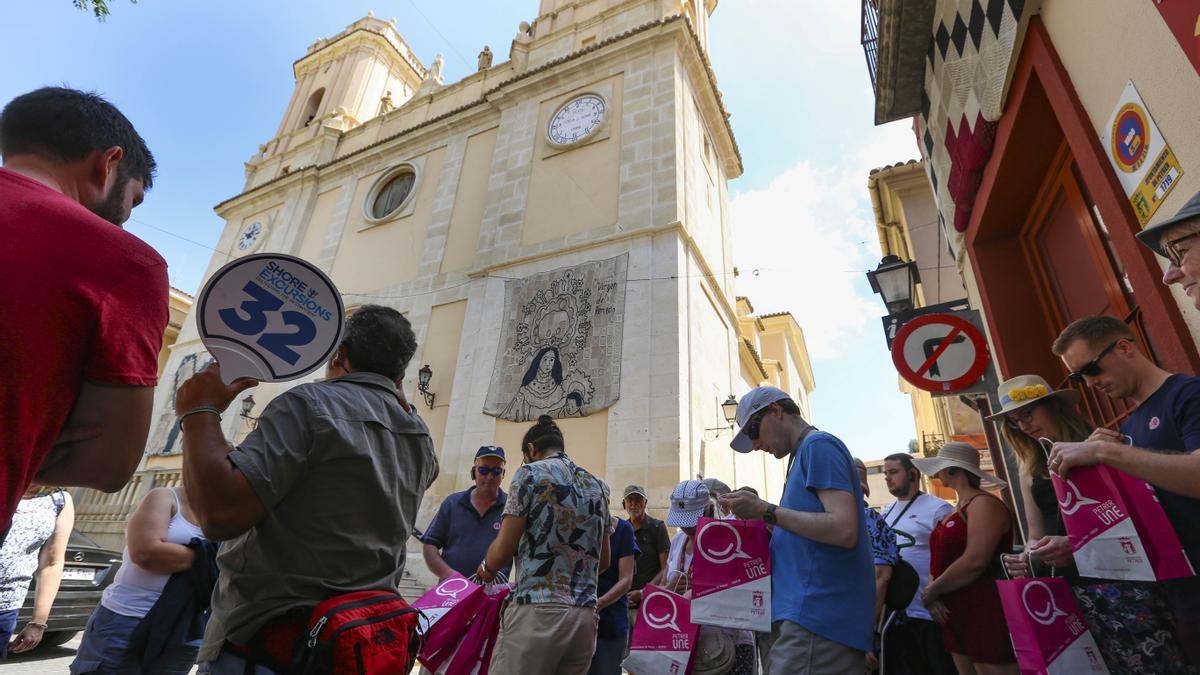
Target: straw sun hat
(1022,390)
(962,456)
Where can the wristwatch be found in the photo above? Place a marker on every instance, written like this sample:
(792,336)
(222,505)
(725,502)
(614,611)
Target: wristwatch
(769,516)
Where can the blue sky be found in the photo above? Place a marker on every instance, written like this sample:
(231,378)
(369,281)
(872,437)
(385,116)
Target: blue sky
(206,83)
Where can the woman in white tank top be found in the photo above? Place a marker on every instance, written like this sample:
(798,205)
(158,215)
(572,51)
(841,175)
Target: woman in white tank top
(156,547)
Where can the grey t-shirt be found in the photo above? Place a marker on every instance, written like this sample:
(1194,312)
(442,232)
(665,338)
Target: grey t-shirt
(341,468)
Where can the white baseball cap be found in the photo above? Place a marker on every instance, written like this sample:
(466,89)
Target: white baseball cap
(688,500)
(756,399)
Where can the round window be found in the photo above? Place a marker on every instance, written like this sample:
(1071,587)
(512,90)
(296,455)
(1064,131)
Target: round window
(393,192)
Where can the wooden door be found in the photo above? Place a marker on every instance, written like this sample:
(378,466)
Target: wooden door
(1077,278)
(1074,269)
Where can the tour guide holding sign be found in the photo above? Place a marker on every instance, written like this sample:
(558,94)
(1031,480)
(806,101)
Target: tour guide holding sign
(823,591)
(319,500)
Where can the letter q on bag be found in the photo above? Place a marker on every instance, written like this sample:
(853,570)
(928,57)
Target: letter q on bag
(731,575)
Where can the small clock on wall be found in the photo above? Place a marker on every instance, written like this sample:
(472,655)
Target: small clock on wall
(577,120)
(251,237)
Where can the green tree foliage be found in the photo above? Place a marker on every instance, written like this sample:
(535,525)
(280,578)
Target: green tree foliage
(97,7)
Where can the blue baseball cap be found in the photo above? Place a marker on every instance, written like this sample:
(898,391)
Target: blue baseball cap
(491,451)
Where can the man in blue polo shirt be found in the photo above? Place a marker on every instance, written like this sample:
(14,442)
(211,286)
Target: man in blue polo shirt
(823,590)
(468,521)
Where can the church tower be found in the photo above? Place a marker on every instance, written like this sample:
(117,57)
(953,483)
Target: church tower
(341,82)
(555,227)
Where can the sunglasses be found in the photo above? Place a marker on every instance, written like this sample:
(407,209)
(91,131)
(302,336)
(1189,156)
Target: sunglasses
(1174,253)
(1092,368)
(754,423)
(1014,419)
(490,470)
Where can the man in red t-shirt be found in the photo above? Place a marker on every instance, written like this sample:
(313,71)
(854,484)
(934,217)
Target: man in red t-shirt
(83,302)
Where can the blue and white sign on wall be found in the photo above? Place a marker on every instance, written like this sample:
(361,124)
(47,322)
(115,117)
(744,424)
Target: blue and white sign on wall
(271,317)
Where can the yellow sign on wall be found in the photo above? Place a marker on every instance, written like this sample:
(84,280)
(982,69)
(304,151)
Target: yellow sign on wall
(1145,164)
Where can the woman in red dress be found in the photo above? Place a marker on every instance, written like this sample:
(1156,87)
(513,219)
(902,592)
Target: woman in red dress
(965,551)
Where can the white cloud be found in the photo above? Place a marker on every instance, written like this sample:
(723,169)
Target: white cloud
(810,234)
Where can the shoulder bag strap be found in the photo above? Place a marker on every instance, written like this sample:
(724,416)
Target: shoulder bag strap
(902,511)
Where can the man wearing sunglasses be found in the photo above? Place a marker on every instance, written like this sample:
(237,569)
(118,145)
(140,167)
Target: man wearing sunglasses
(823,588)
(1159,441)
(467,522)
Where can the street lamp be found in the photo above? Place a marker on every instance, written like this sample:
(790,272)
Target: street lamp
(247,408)
(423,376)
(896,281)
(729,410)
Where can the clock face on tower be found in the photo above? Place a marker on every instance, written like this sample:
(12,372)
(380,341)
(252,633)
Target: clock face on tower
(250,237)
(577,120)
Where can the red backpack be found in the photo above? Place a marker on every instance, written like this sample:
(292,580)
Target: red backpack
(365,632)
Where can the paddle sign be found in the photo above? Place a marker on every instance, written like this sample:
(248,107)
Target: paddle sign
(271,317)
(940,353)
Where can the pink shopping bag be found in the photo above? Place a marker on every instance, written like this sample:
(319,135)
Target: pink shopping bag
(449,608)
(1047,630)
(731,575)
(1118,530)
(474,654)
(664,635)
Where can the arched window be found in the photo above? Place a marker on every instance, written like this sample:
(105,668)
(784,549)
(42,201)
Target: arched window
(311,108)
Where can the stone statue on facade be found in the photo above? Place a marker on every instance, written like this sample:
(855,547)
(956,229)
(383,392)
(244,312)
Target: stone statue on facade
(435,70)
(433,78)
(485,58)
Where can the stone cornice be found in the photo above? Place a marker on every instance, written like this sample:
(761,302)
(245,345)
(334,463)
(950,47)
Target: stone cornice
(342,44)
(746,349)
(498,90)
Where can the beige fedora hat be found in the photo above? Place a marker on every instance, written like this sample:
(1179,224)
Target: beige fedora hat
(961,455)
(1018,392)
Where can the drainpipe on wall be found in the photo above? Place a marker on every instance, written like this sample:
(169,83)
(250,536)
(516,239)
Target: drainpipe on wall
(882,224)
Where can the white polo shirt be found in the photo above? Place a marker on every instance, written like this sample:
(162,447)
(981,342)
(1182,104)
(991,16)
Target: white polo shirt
(913,526)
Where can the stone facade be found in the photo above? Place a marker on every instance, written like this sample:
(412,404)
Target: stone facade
(494,200)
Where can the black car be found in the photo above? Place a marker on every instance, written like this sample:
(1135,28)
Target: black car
(89,569)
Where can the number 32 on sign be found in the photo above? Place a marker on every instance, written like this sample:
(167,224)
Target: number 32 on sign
(941,353)
(271,317)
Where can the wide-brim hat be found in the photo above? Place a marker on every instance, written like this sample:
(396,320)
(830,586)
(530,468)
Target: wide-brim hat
(715,652)
(1153,236)
(1017,392)
(962,456)
(688,500)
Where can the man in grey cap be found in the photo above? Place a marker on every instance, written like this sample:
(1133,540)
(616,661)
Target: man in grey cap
(652,539)
(1174,239)
(823,588)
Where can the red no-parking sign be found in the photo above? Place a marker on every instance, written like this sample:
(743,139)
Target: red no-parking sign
(940,353)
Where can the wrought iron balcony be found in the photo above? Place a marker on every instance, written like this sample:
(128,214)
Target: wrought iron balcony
(895,36)
(870,36)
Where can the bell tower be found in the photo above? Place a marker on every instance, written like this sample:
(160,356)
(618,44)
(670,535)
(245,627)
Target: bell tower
(341,82)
